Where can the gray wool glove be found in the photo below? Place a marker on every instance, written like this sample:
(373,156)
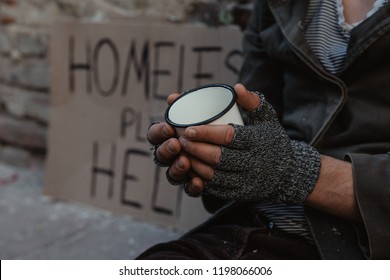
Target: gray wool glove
(263,164)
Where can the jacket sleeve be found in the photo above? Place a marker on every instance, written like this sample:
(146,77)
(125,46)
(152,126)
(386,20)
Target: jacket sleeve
(372,186)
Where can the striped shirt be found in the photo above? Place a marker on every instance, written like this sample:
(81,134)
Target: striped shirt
(327,34)
(288,218)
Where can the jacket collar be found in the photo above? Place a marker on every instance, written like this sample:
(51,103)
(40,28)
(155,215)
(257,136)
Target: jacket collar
(366,33)
(290,16)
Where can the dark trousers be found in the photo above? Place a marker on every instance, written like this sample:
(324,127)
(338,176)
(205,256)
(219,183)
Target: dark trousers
(235,233)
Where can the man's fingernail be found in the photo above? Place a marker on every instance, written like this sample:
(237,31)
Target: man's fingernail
(171,147)
(190,132)
(166,131)
(183,141)
(180,164)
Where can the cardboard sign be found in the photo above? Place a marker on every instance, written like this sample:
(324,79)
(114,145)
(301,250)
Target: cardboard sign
(109,82)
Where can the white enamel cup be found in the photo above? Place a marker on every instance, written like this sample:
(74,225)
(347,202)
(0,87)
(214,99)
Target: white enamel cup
(211,104)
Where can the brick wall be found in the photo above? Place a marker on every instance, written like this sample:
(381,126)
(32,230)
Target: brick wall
(24,66)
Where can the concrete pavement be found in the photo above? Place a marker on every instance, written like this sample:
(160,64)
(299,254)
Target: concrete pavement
(33,226)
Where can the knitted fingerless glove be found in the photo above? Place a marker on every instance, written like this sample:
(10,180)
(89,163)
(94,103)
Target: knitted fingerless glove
(263,164)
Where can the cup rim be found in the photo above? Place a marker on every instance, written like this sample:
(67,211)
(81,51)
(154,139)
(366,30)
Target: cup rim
(231,104)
